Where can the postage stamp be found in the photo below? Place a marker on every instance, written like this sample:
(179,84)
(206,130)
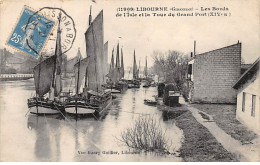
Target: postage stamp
(31,32)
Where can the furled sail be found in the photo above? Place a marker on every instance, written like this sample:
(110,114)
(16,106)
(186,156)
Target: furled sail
(58,54)
(112,66)
(71,63)
(134,68)
(105,59)
(117,73)
(122,70)
(138,70)
(117,57)
(113,73)
(80,72)
(94,47)
(43,75)
(145,69)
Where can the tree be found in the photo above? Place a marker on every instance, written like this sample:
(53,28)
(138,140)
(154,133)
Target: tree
(172,65)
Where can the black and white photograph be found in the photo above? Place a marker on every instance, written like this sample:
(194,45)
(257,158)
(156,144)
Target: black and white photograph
(129,81)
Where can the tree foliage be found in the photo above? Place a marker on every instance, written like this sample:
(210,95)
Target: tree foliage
(172,65)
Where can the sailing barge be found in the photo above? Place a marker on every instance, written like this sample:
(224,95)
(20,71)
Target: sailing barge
(147,83)
(134,83)
(116,82)
(47,79)
(90,97)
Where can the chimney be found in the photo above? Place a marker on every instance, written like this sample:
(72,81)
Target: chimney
(191,54)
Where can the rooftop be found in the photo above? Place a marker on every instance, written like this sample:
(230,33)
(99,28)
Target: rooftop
(248,74)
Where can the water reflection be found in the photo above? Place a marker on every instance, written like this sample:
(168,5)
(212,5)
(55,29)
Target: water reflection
(53,138)
(46,129)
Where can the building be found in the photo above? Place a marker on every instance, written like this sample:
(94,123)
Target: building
(213,73)
(15,62)
(248,90)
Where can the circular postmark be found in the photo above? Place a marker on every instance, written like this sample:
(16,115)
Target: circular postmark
(67,27)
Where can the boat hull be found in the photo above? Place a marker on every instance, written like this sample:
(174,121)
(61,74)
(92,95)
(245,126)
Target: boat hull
(133,86)
(121,87)
(150,102)
(115,91)
(146,86)
(83,109)
(44,107)
(105,106)
(40,110)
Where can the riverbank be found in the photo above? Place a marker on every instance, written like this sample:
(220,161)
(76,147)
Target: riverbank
(199,144)
(225,117)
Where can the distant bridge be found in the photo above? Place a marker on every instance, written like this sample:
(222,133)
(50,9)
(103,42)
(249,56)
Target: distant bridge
(14,77)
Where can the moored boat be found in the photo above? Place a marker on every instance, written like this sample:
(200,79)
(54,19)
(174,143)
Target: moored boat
(90,97)
(150,102)
(146,84)
(153,84)
(116,74)
(95,103)
(134,83)
(47,79)
(42,106)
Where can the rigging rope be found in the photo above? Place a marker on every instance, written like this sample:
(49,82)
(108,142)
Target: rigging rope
(27,112)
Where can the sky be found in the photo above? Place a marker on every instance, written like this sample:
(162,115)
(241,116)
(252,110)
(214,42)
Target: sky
(146,34)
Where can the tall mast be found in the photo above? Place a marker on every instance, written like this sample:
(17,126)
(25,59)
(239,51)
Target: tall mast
(146,68)
(39,74)
(117,57)
(112,60)
(57,48)
(111,69)
(139,69)
(86,76)
(77,85)
(65,65)
(90,16)
(105,55)
(86,79)
(77,90)
(194,48)
(117,63)
(134,67)
(57,63)
(122,65)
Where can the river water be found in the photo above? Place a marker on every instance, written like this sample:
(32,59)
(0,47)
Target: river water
(27,137)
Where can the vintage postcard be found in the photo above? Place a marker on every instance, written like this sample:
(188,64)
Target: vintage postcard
(130,81)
